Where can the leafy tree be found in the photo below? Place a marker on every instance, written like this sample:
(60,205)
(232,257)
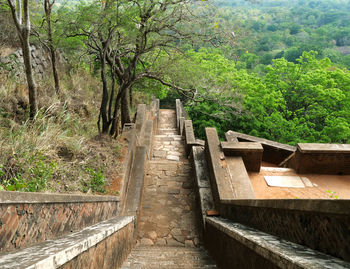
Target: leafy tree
(132,36)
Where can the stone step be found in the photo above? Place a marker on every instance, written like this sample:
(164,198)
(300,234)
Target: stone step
(169,137)
(168,257)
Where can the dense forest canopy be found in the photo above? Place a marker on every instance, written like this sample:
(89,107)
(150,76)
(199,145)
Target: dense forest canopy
(286,72)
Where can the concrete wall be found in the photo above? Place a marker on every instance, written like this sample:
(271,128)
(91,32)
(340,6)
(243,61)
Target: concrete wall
(29,218)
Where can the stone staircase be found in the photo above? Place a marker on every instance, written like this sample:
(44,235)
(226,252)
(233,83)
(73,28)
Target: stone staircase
(160,212)
(168,257)
(168,232)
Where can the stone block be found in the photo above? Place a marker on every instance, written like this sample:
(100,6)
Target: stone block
(274,152)
(219,177)
(322,158)
(251,153)
(173,158)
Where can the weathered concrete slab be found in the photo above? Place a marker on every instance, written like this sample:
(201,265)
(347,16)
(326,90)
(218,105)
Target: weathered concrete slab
(55,253)
(200,167)
(147,140)
(189,136)
(239,178)
(134,190)
(11,197)
(307,182)
(323,148)
(178,112)
(140,118)
(284,181)
(181,126)
(233,245)
(219,177)
(233,147)
(231,137)
(205,195)
(277,169)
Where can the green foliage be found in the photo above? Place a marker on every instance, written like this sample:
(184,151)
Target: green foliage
(40,173)
(33,179)
(291,27)
(306,101)
(332,194)
(96,182)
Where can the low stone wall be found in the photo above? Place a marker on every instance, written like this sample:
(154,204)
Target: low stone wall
(202,183)
(29,218)
(234,245)
(110,253)
(322,225)
(104,245)
(228,176)
(322,159)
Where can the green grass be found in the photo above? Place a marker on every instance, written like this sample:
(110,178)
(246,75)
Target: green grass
(59,151)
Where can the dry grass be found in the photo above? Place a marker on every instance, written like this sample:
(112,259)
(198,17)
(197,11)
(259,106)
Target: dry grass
(60,151)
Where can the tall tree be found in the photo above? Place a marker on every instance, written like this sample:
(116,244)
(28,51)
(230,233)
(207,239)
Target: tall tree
(21,18)
(152,29)
(131,36)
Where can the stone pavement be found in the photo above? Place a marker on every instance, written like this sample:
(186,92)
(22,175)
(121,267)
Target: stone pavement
(168,225)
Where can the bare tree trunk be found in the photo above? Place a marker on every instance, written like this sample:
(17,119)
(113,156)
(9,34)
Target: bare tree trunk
(48,8)
(114,121)
(104,101)
(23,30)
(125,107)
(130,97)
(33,106)
(54,71)
(111,97)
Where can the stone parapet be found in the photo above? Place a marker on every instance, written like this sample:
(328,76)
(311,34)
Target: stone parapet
(322,159)
(30,218)
(234,245)
(321,225)
(202,182)
(104,245)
